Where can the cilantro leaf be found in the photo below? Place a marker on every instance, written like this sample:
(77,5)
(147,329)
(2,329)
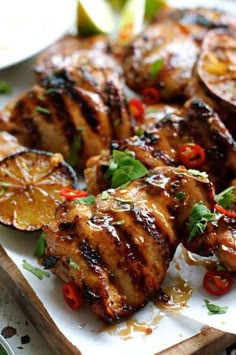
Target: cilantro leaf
(215,309)
(39,273)
(118,223)
(105,195)
(3,189)
(5,87)
(124,168)
(75,148)
(199,217)
(180,195)
(226,197)
(73,264)
(87,200)
(156,67)
(40,246)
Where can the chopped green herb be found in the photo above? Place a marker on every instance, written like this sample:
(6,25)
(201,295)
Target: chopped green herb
(41,98)
(105,195)
(214,309)
(156,67)
(198,173)
(51,91)
(117,122)
(139,132)
(220,267)
(198,219)
(75,148)
(151,7)
(180,195)
(43,110)
(124,168)
(39,273)
(73,264)
(3,189)
(118,222)
(5,87)
(226,197)
(87,200)
(40,246)
(122,200)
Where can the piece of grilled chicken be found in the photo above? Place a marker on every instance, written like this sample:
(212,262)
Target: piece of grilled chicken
(165,54)
(123,244)
(197,123)
(198,21)
(64,52)
(75,111)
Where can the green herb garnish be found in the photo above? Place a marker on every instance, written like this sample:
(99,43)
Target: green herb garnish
(226,197)
(75,148)
(139,132)
(124,168)
(156,67)
(198,173)
(5,87)
(3,189)
(41,98)
(214,309)
(39,273)
(122,200)
(40,246)
(105,195)
(199,217)
(87,200)
(73,264)
(116,122)
(180,195)
(51,91)
(43,110)
(118,223)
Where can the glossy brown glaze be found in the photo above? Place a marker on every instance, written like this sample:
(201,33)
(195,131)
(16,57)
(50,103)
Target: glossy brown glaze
(123,249)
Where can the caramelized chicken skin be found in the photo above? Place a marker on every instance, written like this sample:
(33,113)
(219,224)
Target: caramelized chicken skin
(123,244)
(196,123)
(72,108)
(174,49)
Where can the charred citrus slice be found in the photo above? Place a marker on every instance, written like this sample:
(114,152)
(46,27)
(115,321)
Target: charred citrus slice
(217,65)
(30,184)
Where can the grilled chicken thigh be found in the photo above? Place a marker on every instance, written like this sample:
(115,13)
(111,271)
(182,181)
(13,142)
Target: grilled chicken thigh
(197,123)
(64,52)
(123,244)
(75,111)
(163,56)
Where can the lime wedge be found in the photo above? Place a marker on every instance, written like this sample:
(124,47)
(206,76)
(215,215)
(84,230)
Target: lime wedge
(117,4)
(131,20)
(94,17)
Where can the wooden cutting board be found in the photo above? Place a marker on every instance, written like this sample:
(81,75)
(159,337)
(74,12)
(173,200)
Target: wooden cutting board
(210,341)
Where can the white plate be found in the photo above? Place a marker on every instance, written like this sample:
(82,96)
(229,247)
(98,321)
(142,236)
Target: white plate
(28,26)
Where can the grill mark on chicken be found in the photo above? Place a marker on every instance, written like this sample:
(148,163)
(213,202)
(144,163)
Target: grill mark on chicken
(62,114)
(62,81)
(91,256)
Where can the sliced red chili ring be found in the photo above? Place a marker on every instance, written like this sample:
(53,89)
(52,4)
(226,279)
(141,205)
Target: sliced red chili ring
(137,108)
(217,282)
(71,295)
(150,96)
(71,194)
(191,155)
(224,211)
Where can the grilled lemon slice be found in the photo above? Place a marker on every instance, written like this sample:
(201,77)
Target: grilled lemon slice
(30,184)
(217,65)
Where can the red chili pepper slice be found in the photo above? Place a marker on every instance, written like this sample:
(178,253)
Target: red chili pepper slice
(217,282)
(150,96)
(191,155)
(224,211)
(137,108)
(71,194)
(71,295)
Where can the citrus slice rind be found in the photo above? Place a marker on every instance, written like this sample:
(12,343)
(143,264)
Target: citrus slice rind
(94,17)
(217,65)
(30,184)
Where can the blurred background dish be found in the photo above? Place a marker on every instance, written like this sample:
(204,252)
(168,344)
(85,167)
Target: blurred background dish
(27,27)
